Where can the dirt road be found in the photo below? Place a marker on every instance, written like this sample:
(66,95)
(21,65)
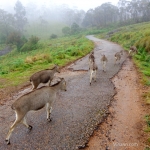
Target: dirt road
(76,113)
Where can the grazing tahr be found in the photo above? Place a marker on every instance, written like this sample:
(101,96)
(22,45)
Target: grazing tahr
(43,76)
(104,61)
(133,50)
(35,100)
(91,58)
(118,56)
(93,70)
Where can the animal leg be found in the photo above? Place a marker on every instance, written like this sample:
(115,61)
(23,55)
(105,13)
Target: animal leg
(49,82)
(34,85)
(25,123)
(95,75)
(91,76)
(115,60)
(48,110)
(104,66)
(17,121)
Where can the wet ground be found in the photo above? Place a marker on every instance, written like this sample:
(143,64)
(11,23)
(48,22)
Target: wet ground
(123,128)
(76,113)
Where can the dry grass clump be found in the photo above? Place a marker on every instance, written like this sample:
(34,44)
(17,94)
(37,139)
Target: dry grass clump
(38,57)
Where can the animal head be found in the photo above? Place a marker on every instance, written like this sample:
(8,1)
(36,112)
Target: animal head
(103,55)
(56,67)
(121,52)
(63,84)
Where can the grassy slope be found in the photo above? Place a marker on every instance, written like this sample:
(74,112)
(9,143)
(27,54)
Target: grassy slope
(138,35)
(44,31)
(16,68)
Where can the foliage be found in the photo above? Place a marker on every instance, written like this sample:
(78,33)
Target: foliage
(17,67)
(127,12)
(75,28)
(31,44)
(66,30)
(147,120)
(17,39)
(7,23)
(20,18)
(53,36)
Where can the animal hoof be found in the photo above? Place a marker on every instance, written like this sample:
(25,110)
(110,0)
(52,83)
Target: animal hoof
(8,142)
(30,127)
(49,119)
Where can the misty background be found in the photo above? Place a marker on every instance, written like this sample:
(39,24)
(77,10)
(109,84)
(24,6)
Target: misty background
(51,19)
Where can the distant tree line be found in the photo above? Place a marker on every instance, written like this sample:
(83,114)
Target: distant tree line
(12,26)
(127,12)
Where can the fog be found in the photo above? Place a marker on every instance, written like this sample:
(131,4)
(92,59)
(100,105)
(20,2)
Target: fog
(78,4)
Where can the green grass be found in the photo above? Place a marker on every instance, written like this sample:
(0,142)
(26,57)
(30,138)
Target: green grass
(43,31)
(16,67)
(147,119)
(138,35)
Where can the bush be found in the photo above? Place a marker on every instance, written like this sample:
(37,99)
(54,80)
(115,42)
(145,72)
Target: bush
(32,44)
(53,36)
(33,40)
(17,39)
(75,28)
(66,30)
(38,57)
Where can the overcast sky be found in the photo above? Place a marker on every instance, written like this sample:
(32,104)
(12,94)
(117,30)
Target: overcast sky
(80,4)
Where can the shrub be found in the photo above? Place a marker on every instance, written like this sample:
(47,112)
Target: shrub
(17,39)
(66,30)
(38,57)
(61,56)
(75,28)
(32,44)
(33,40)
(53,36)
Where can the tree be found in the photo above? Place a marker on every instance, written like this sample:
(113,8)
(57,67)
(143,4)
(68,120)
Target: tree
(17,39)
(20,18)
(6,25)
(75,28)
(66,30)
(88,20)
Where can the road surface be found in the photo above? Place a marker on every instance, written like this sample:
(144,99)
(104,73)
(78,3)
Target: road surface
(76,113)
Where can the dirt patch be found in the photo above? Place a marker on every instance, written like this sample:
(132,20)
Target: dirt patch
(123,128)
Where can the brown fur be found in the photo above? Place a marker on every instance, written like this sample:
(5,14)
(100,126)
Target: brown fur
(35,100)
(43,76)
